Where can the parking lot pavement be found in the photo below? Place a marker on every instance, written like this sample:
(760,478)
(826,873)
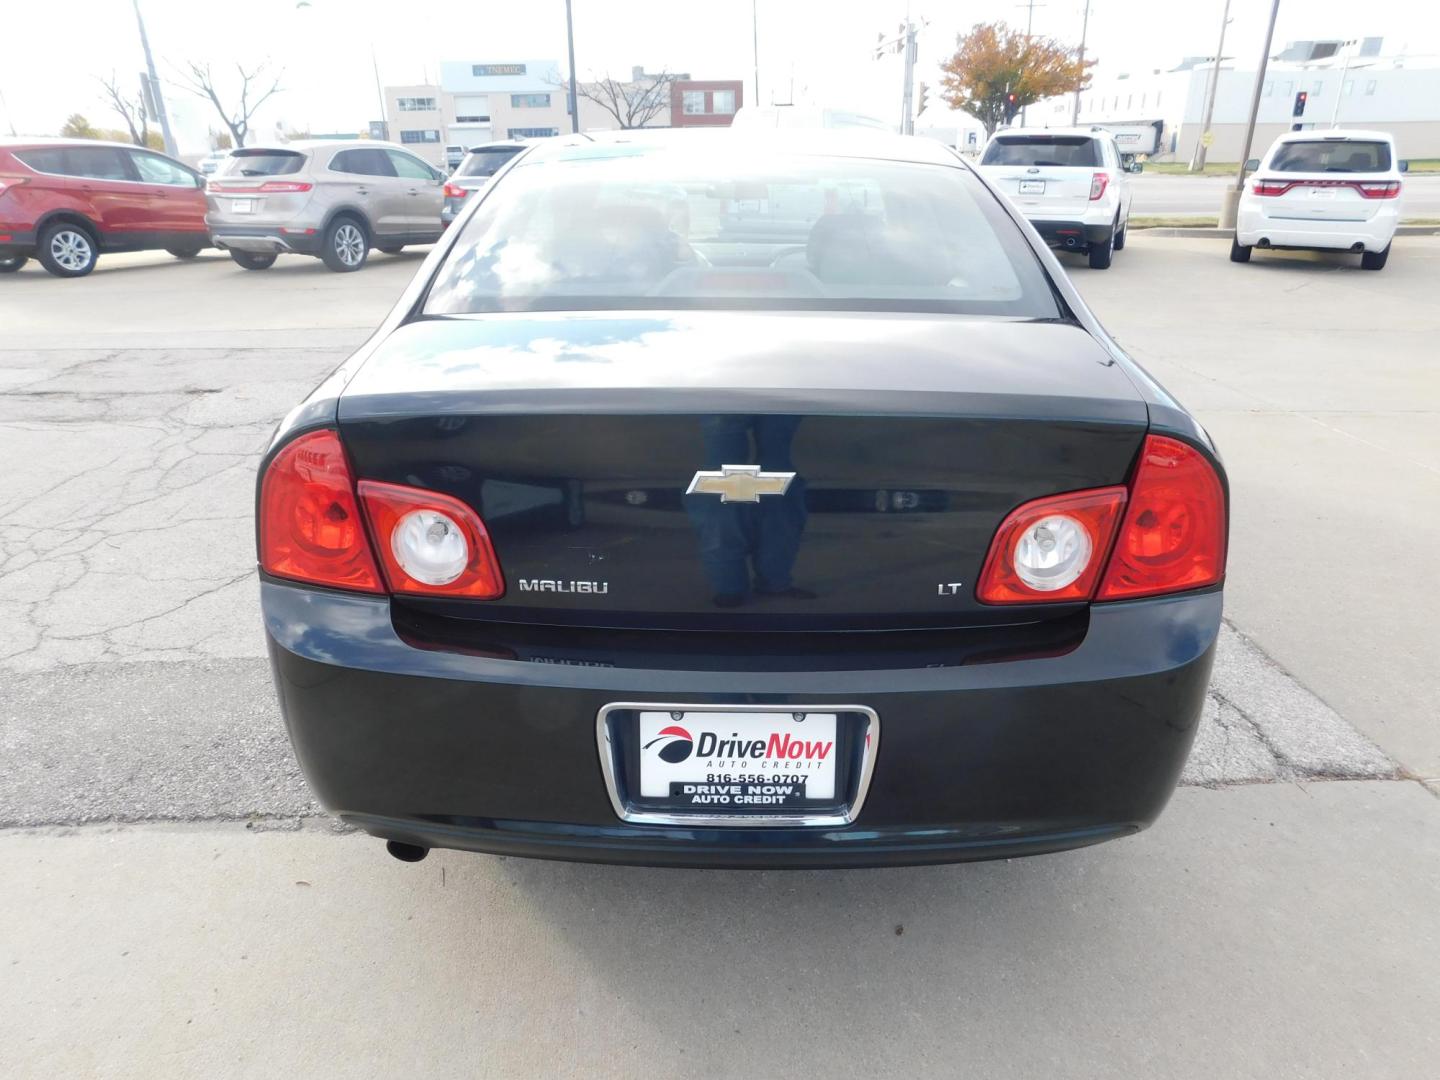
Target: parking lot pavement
(133,689)
(1183,196)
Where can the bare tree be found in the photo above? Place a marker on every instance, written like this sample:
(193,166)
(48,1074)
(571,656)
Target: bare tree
(132,109)
(199,81)
(633,104)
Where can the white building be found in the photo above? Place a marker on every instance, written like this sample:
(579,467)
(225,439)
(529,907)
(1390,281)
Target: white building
(1354,87)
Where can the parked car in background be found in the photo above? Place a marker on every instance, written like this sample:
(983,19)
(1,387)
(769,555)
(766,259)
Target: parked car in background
(65,202)
(1330,191)
(875,548)
(333,200)
(1069,183)
(476,168)
(211,161)
(454,154)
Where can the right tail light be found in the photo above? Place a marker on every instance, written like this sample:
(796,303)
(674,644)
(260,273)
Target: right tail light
(1174,531)
(455,191)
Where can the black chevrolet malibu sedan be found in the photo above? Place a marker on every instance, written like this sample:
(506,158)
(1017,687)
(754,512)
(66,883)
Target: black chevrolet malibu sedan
(715,501)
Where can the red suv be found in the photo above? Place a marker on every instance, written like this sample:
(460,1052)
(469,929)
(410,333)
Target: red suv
(65,201)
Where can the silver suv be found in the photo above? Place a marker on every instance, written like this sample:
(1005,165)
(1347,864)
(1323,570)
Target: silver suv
(335,200)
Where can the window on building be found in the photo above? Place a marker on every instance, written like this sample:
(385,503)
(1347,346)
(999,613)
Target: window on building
(472,119)
(722,102)
(1315,87)
(416,104)
(1348,88)
(1269,87)
(1370,88)
(529,101)
(1285,89)
(693,102)
(531,133)
(1129,100)
(420,135)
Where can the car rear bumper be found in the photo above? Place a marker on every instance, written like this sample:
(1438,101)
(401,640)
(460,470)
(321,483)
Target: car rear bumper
(1255,228)
(444,748)
(1072,234)
(16,241)
(270,240)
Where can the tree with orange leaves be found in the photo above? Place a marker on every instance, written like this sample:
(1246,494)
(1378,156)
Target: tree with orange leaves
(996,72)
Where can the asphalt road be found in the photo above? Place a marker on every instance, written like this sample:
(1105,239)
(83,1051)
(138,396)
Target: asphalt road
(1281,919)
(1203,195)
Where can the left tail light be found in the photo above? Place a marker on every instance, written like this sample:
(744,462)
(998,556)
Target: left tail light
(310,528)
(431,544)
(455,191)
(1164,533)
(1098,183)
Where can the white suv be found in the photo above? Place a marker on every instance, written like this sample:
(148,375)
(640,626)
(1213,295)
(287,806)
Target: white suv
(1069,184)
(1322,191)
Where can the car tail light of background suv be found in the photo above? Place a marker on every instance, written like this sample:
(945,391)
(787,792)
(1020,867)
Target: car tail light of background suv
(1098,183)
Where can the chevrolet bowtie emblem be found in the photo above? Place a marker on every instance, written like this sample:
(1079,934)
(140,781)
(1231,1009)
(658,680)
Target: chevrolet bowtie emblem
(740,483)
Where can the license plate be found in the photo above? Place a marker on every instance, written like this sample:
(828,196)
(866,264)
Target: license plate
(242,206)
(1032,187)
(1321,193)
(728,762)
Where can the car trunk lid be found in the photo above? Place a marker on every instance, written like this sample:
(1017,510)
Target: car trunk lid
(888,447)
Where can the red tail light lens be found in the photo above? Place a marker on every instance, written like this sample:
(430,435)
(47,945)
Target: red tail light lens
(1380,189)
(431,544)
(278,187)
(310,528)
(1051,549)
(455,191)
(1271,187)
(1098,183)
(1173,536)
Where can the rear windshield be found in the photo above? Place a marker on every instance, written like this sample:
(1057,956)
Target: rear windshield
(1057,151)
(1333,155)
(485,162)
(617,229)
(261,163)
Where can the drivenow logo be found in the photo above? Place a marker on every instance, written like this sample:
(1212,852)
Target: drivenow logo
(674,742)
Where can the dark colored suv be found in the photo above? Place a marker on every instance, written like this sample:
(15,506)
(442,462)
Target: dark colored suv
(65,201)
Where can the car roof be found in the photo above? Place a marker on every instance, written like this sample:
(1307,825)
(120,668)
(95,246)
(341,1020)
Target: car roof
(1336,135)
(498,144)
(1068,132)
(804,142)
(16,142)
(306,146)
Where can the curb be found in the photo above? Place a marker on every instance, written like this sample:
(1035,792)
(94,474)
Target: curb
(1212,233)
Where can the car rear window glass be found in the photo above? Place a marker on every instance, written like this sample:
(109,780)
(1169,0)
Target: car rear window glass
(1056,151)
(613,228)
(485,162)
(261,163)
(91,162)
(1332,155)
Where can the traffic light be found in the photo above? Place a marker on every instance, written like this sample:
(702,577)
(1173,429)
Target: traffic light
(1300,100)
(924,93)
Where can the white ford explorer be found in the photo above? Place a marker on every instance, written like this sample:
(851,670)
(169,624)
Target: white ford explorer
(1322,191)
(1069,184)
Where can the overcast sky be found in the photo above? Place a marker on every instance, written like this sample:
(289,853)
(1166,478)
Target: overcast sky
(821,47)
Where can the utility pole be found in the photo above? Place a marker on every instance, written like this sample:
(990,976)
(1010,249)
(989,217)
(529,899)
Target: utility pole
(907,120)
(1232,195)
(380,96)
(1084,31)
(755,46)
(1340,90)
(570,45)
(160,112)
(1030,6)
(1197,158)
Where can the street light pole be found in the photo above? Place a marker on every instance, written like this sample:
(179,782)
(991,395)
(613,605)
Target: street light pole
(570,46)
(1084,31)
(1340,90)
(1232,195)
(1197,158)
(755,46)
(161,114)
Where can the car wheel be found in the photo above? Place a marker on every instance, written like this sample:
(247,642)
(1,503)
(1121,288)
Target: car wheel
(1101,255)
(1239,252)
(1375,260)
(184,253)
(254,260)
(10,263)
(392,250)
(67,250)
(346,246)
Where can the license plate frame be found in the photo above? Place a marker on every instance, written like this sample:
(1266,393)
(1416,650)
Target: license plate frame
(857,740)
(242,206)
(1032,187)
